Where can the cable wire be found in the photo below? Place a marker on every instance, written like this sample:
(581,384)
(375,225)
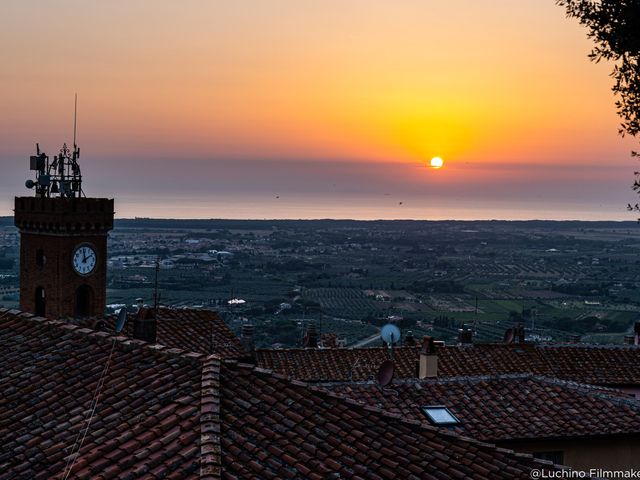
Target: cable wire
(92,408)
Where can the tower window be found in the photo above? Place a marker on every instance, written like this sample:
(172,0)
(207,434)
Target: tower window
(41,302)
(84,301)
(40,258)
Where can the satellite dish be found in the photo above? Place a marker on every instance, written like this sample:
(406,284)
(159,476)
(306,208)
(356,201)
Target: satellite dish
(122,319)
(508,336)
(390,333)
(29,183)
(385,373)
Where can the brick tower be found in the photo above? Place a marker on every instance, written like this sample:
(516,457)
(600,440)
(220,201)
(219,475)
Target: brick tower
(63,241)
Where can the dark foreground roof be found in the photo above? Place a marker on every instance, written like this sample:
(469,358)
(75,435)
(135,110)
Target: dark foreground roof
(508,407)
(168,413)
(148,416)
(600,365)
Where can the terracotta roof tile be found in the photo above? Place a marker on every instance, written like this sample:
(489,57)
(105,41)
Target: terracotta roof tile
(507,407)
(194,331)
(49,376)
(600,365)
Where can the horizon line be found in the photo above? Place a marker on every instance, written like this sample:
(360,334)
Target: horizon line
(327,219)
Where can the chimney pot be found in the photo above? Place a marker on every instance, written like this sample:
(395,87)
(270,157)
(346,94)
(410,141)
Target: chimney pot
(246,338)
(465,335)
(311,336)
(409,339)
(145,325)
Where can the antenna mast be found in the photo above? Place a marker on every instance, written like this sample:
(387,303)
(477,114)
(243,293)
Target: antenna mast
(156,294)
(59,176)
(75,117)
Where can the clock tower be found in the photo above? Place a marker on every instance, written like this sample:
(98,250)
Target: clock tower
(63,240)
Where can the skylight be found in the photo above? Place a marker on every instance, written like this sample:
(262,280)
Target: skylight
(440,415)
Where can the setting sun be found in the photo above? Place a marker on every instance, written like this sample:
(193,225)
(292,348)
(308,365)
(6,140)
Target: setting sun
(437,162)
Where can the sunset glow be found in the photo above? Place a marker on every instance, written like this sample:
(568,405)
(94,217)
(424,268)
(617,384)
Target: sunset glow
(179,93)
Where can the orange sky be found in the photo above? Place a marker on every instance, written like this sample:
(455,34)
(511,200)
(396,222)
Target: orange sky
(478,83)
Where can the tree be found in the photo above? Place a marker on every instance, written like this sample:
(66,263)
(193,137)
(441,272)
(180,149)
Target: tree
(614,26)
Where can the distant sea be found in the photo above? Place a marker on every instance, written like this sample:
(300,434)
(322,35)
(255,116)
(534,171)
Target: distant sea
(360,208)
(352,190)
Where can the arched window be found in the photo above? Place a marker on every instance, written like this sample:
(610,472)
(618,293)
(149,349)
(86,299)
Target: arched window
(84,301)
(40,258)
(41,302)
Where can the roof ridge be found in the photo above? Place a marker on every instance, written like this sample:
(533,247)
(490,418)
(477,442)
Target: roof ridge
(333,349)
(210,447)
(455,379)
(596,391)
(589,346)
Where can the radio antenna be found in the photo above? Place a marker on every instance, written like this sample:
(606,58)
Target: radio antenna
(156,293)
(75,117)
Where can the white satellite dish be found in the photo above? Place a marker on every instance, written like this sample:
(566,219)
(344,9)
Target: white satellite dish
(390,333)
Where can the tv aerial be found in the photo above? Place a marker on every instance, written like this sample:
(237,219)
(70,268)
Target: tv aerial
(122,319)
(390,334)
(60,177)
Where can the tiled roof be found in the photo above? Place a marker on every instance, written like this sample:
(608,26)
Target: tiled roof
(276,428)
(146,423)
(201,331)
(490,359)
(602,365)
(346,364)
(606,365)
(167,413)
(507,407)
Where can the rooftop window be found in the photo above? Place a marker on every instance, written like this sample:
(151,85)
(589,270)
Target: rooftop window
(440,415)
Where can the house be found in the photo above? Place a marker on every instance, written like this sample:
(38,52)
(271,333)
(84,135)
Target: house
(583,426)
(555,401)
(81,403)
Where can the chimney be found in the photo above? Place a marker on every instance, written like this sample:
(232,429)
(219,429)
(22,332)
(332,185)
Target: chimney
(247,340)
(428,363)
(145,325)
(630,339)
(139,303)
(574,338)
(409,339)
(465,335)
(311,336)
(328,340)
(636,331)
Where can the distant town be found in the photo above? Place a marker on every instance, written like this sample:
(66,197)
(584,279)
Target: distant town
(562,281)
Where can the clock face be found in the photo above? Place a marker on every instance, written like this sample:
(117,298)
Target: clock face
(84,260)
